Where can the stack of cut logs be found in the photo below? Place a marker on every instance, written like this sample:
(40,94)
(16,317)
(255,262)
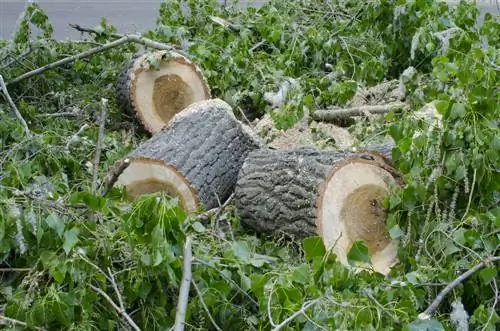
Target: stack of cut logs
(201,153)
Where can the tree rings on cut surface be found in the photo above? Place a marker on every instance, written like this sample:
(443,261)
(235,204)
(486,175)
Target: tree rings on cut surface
(336,195)
(195,157)
(155,86)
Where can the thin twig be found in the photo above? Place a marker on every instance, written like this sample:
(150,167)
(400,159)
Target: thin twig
(92,31)
(74,113)
(180,315)
(17,322)
(204,305)
(15,269)
(116,172)
(13,106)
(370,296)
(115,287)
(217,211)
(329,115)
(269,299)
(302,311)
(124,314)
(98,149)
(125,39)
(76,135)
(228,280)
(460,279)
(96,267)
(493,308)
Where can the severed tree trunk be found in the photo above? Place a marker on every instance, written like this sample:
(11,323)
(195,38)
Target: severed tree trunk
(336,195)
(196,157)
(155,86)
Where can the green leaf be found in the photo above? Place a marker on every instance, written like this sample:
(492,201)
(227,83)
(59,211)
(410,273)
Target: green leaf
(313,247)
(395,232)
(70,239)
(442,107)
(457,111)
(359,252)
(488,274)
(302,274)
(425,325)
(413,277)
(241,250)
(158,259)
(258,263)
(198,227)
(55,223)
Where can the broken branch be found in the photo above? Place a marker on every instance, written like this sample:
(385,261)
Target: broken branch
(123,313)
(13,106)
(125,39)
(450,287)
(329,115)
(98,149)
(180,315)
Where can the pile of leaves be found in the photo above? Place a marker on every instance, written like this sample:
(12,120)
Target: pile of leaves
(73,259)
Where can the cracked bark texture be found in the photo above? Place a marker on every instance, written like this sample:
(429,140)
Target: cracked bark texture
(206,144)
(281,190)
(277,190)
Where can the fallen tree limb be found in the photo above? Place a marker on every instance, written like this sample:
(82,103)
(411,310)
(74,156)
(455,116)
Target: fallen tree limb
(459,280)
(125,39)
(13,106)
(180,315)
(330,115)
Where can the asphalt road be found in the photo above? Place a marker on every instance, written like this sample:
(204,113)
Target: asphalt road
(128,16)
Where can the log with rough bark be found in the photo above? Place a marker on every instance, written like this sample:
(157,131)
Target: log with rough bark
(305,192)
(155,86)
(195,157)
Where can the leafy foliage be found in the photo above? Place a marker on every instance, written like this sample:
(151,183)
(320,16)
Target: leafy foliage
(59,241)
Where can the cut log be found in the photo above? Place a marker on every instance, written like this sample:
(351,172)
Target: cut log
(153,87)
(195,157)
(336,195)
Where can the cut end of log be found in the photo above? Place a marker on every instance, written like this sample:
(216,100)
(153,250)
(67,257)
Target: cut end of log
(155,95)
(149,176)
(195,157)
(350,209)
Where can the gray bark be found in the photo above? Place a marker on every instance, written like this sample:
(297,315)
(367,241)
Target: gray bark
(277,190)
(206,144)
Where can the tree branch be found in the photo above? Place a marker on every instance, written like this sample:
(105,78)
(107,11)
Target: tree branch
(182,302)
(115,174)
(92,31)
(370,296)
(98,149)
(204,305)
(13,106)
(460,279)
(124,314)
(302,311)
(330,115)
(17,322)
(125,39)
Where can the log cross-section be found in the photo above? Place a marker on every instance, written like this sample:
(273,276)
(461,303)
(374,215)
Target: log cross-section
(155,86)
(196,157)
(336,195)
